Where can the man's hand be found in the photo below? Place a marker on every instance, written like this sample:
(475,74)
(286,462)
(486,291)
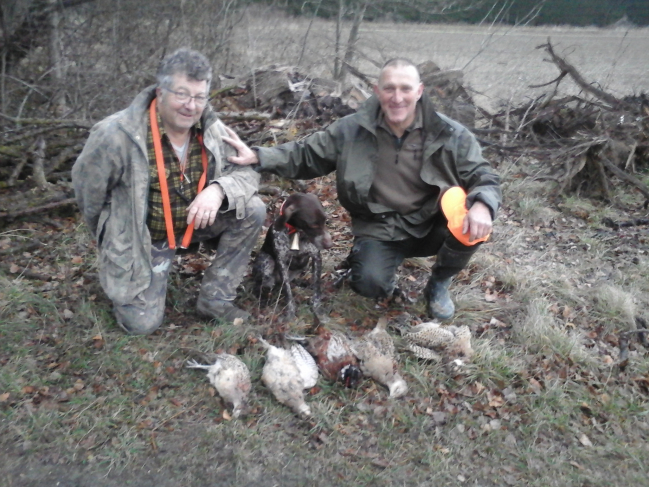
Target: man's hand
(246,156)
(205,207)
(477,221)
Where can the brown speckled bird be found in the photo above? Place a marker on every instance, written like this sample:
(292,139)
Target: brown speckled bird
(432,341)
(287,377)
(377,356)
(333,353)
(231,379)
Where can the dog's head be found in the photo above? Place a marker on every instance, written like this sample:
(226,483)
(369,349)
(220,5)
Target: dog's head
(306,214)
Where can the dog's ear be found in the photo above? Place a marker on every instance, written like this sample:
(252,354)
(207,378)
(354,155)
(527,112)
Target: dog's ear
(288,209)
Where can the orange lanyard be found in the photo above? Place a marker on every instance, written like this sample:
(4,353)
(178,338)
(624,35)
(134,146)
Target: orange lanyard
(166,205)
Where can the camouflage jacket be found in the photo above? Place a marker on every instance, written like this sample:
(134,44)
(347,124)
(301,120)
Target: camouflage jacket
(452,157)
(111,184)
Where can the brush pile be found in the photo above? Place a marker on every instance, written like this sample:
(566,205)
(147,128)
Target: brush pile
(586,143)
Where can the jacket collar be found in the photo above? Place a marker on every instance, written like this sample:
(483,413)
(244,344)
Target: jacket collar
(368,116)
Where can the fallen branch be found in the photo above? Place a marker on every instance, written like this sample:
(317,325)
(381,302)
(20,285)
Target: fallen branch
(244,116)
(565,67)
(10,215)
(25,273)
(626,177)
(631,223)
(19,249)
(48,121)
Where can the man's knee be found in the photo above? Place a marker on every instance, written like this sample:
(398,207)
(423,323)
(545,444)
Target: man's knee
(371,284)
(374,264)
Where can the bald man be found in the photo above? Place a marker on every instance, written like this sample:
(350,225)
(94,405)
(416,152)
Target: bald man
(394,160)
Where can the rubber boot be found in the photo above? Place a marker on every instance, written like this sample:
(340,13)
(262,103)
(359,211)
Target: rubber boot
(449,263)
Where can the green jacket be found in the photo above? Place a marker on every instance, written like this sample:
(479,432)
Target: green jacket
(452,157)
(111,184)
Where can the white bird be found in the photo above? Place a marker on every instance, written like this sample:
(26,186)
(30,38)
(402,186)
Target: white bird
(432,341)
(231,379)
(376,352)
(287,373)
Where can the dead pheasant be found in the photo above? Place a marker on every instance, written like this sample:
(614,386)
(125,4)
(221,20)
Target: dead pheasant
(231,379)
(334,356)
(287,373)
(432,341)
(377,356)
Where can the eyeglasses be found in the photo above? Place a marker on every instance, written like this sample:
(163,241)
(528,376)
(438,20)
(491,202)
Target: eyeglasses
(182,97)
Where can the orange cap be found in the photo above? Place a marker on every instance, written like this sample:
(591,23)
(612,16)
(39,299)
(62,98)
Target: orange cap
(454,208)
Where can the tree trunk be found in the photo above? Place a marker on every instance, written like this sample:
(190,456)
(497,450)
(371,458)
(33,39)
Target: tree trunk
(39,164)
(350,50)
(339,28)
(56,59)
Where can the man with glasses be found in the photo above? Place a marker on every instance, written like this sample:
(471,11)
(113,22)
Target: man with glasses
(155,177)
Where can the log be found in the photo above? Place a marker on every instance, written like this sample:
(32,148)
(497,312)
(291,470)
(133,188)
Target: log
(10,215)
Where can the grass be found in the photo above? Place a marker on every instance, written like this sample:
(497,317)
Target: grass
(542,402)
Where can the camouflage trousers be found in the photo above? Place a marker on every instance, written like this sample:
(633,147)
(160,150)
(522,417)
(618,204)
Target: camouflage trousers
(236,237)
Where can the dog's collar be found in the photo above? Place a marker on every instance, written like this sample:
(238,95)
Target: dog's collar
(291,229)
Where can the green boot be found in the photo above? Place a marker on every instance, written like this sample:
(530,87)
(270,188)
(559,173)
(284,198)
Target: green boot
(449,262)
(439,303)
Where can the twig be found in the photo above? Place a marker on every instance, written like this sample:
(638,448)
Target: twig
(629,159)
(176,415)
(641,322)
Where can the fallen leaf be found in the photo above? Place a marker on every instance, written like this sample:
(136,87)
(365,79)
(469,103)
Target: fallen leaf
(237,322)
(14,269)
(77,260)
(380,462)
(576,465)
(496,322)
(495,398)
(226,415)
(67,314)
(4,397)
(535,385)
(584,440)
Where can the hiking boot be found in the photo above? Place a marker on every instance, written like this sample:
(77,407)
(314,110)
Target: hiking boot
(438,300)
(220,310)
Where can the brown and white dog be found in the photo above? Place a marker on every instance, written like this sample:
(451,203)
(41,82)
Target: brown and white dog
(296,237)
